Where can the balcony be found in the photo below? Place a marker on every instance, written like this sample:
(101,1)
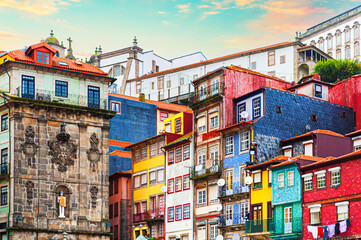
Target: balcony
(155,214)
(236,222)
(210,91)
(236,192)
(257,227)
(73,99)
(139,217)
(203,170)
(282,227)
(4,171)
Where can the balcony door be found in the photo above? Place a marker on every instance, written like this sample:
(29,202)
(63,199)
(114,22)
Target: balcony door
(229,214)
(28,87)
(288,219)
(257,218)
(93,97)
(229,182)
(201,233)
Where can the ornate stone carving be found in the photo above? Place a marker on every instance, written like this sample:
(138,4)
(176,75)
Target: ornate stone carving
(93,152)
(29,191)
(29,147)
(62,151)
(94,193)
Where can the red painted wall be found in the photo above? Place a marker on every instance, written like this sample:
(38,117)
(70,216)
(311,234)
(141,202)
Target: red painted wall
(350,186)
(348,93)
(238,84)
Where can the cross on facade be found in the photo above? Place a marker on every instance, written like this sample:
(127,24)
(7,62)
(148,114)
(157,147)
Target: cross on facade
(69,40)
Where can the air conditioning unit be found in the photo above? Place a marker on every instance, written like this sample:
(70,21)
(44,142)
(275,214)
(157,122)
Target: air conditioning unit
(43,97)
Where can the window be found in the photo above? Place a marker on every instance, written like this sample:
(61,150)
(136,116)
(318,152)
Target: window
(321,45)
(170,185)
(272,73)
(168,84)
(253,65)
(281,180)
(271,58)
(144,152)
(116,206)
(229,181)
(153,149)
(201,157)
(357,31)
(244,212)
(256,107)
(42,57)
(278,109)
(160,175)
(116,70)
(213,231)
(93,97)
(335,176)
(329,42)
(160,146)
(342,210)
(318,91)
(186,152)
(308,147)
(137,155)
(229,145)
(347,52)
(213,151)
(203,92)
(4,161)
(177,125)
(110,210)
(178,184)
(111,185)
(315,214)
(244,141)
(257,179)
(338,39)
(143,179)
(28,87)
(4,122)
(136,181)
(338,54)
(241,108)
(116,186)
(290,178)
(314,117)
(201,122)
(115,236)
(115,106)
(215,86)
(61,89)
(269,177)
(181,81)
(202,196)
(152,177)
(136,208)
(321,179)
(171,157)
(178,213)
(152,85)
(186,182)
(229,214)
(178,155)
(160,83)
(139,86)
(282,59)
(186,211)
(163,116)
(308,182)
(287,151)
(347,35)
(214,121)
(357,49)
(170,214)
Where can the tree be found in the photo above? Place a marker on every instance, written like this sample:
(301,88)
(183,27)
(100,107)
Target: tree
(331,69)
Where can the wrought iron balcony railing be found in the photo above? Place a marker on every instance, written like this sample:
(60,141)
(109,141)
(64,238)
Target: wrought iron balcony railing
(234,189)
(278,227)
(201,170)
(73,99)
(208,91)
(234,219)
(258,226)
(154,214)
(139,217)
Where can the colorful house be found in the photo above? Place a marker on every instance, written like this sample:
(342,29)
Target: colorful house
(331,194)
(148,175)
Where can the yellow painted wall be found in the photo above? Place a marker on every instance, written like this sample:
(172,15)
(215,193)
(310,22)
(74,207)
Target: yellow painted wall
(172,122)
(6,57)
(160,125)
(263,195)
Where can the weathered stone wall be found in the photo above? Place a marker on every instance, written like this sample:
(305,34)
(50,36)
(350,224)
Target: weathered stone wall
(44,160)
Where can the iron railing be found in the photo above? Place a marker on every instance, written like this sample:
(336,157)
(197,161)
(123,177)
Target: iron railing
(294,225)
(74,99)
(258,226)
(154,214)
(139,217)
(201,170)
(4,168)
(208,91)
(234,219)
(236,188)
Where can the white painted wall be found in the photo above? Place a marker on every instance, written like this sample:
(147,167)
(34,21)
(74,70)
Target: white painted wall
(249,105)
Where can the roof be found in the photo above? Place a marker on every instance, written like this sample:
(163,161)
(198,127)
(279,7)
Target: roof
(275,160)
(118,143)
(145,140)
(321,131)
(311,81)
(219,59)
(297,159)
(235,125)
(21,56)
(161,105)
(181,139)
(119,153)
(355,133)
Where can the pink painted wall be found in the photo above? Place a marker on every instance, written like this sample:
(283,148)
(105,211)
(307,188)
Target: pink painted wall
(348,93)
(239,83)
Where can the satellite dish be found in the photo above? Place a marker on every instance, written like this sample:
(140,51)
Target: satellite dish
(308,127)
(219,237)
(219,207)
(244,114)
(164,189)
(221,182)
(248,180)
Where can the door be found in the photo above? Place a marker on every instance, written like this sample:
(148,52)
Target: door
(28,87)
(229,214)
(201,233)
(229,182)
(257,218)
(288,219)
(93,97)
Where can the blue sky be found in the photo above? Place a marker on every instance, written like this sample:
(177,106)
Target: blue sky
(169,27)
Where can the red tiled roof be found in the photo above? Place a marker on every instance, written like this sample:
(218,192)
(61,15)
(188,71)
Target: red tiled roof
(235,125)
(332,159)
(214,60)
(296,159)
(21,56)
(145,140)
(39,45)
(119,153)
(275,160)
(119,143)
(161,105)
(327,132)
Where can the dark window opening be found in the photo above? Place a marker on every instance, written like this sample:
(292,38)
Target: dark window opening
(343,114)
(314,117)
(278,109)
(61,89)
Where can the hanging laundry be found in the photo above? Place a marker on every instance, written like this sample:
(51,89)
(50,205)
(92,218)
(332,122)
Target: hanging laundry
(348,222)
(313,230)
(343,226)
(319,232)
(325,233)
(331,230)
(337,228)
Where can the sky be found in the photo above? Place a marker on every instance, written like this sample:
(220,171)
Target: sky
(171,28)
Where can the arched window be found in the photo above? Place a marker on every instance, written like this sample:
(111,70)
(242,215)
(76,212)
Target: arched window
(329,41)
(64,191)
(347,34)
(338,38)
(356,27)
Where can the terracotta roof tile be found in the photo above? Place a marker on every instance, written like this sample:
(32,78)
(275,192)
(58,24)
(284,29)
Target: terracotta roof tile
(328,159)
(327,132)
(236,125)
(275,160)
(161,105)
(119,153)
(290,160)
(119,143)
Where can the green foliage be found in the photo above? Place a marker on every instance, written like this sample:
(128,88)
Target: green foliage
(331,69)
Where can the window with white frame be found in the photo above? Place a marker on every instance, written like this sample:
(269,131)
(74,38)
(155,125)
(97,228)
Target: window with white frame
(338,54)
(281,180)
(214,121)
(335,176)
(203,92)
(256,108)
(152,177)
(347,35)
(201,123)
(229,214)
(213,151)
(186,152)
(318,91)
(321,45)
(338,39)
(229,145)
(244,141)
(329,42)
(287,151)
(357,31)
(271,58)
(315,213)
(253,65)
(202,196)
(229,179)
(307,181)
(153,149)
(215,86)
(178,213)
(347,52)
(178,125)
(160,174)
(143,179)
(290,178)
(241,108)
(170,214)
(257,179)
(136,181)
(171,185)
(171,157)
(308,146)
(357,49)
(321,178)
(244,212)
(342,210)
(186,182)
(213,228)
(202,157)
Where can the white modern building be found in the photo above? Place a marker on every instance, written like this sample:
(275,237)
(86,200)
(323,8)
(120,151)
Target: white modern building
(338,36)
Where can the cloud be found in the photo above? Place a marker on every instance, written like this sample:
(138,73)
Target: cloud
(204,6)
(184,8)
(38,7)
(165,22)
(210,13)
(244,2)
(162,13)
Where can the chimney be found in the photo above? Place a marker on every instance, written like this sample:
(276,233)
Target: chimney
(141,97)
